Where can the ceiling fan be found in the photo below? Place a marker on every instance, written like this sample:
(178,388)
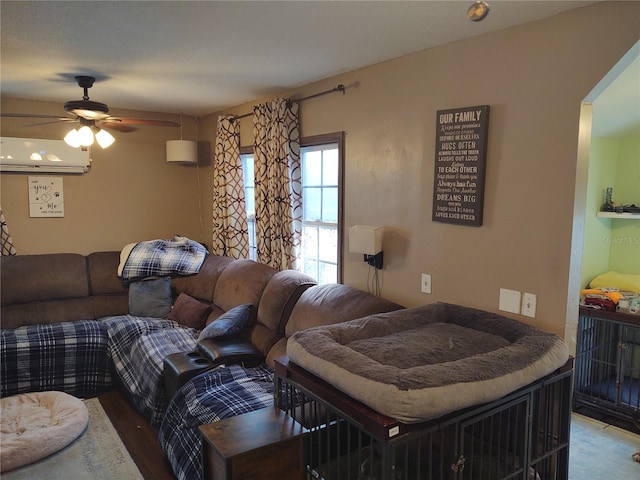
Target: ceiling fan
(93,115)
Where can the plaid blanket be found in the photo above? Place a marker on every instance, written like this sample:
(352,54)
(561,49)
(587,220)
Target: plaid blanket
(158,258)
(207,398)
(71,357)
(137,346)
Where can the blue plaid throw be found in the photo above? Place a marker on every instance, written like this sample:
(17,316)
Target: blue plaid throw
(137,346)
(207,398)
(159,258)
(71,357)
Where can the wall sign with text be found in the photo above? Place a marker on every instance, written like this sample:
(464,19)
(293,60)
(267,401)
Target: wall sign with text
(46,197)
(461,154)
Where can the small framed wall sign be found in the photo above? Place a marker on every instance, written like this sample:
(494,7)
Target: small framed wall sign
(46,197)
(461,151)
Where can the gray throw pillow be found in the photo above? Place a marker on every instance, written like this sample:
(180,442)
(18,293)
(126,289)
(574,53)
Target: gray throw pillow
(230,324)
(150,297)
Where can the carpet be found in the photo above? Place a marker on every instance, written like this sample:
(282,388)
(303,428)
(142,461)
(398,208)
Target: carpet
(98,454)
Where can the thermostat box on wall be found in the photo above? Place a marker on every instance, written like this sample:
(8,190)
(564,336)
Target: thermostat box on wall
(36,155)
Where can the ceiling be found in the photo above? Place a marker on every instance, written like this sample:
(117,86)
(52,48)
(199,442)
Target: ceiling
(199,57)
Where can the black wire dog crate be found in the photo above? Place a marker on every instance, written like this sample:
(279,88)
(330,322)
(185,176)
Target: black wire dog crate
(524,435)
(607,364)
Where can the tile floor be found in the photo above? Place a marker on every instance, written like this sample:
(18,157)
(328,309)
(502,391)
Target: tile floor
(599,451)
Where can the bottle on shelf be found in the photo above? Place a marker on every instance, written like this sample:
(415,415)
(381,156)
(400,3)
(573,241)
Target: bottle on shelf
(607,205)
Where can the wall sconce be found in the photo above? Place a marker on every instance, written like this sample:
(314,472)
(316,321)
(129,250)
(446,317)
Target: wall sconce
(367,240)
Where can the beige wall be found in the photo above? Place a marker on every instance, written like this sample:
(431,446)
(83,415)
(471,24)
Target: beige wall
(130,193)
(533,77)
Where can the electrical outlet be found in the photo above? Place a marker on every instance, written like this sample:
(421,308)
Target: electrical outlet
(529,305)
(425,284)
(509,301)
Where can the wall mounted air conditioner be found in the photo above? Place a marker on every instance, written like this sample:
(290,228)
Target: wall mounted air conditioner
(35,155)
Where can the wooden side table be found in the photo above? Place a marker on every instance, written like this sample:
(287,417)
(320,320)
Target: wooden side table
(264,444)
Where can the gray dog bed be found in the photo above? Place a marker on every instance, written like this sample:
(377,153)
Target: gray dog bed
(421,363)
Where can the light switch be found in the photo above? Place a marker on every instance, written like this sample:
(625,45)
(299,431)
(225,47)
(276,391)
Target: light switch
(529,305)
(509,301)
(425,283)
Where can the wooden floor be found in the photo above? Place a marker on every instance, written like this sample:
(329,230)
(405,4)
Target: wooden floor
(136,434)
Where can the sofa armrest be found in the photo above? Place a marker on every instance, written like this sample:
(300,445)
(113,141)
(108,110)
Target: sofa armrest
(231,351)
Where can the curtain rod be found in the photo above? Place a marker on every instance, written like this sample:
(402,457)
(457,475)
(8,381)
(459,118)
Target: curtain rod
(338,88)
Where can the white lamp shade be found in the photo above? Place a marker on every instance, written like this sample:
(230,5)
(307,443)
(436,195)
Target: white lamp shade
(72,138)
(365,239)
(104,138)
(85,134)
(182,151)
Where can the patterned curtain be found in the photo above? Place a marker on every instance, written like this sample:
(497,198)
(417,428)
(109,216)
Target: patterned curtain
(5,238)
(230,237)
(278,183)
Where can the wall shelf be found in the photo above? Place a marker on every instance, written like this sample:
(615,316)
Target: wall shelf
(625,215)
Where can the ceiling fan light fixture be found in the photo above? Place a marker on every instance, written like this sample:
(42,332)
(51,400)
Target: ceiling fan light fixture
(72,138)
(104,138)
(85,136)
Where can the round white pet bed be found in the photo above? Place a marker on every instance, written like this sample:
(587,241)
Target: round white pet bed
(35,425)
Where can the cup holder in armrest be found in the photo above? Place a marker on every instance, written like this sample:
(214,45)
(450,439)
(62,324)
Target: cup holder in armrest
(181,367)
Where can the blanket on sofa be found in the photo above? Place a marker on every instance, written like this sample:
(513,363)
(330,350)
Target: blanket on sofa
(207,398)
(159,258)
(140,344)
(70,357)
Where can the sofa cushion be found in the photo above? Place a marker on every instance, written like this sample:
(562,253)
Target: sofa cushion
(190,312)
(37,278)
(278,350)
(150,297)
(202,284)
(108,295)
(242,281)
(230,324)
(46,312)
(103,274)
(334,303)
(277,301)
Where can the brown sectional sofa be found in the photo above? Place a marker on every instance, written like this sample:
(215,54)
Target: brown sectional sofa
(60,287)
(42,295)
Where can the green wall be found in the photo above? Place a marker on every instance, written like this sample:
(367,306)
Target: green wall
(612,244)
(624,247)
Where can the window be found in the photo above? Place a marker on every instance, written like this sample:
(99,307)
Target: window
(321,164)
(249,198)
(320,211)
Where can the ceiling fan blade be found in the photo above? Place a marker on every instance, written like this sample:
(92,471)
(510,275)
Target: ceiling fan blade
(59,120)
(116,126)
(34,115)
(148,122)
